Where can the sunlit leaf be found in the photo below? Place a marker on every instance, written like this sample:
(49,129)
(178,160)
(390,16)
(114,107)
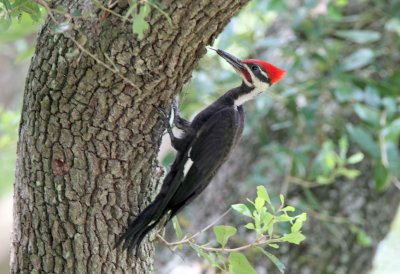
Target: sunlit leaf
(296,227)
(223,233)
(282,198)
(349,173)
(363,239)
(263,194)
(140,25)
(238,264)
(294,238)
(288,208)
(259,203)
(355,158)
(242,209)
(249,226)
(284,218)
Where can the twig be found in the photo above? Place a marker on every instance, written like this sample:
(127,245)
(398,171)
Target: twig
(257,242)
(260,241)
(326,217)
(396,183)
(303,183)
(189,239)
(382,142)
(98,4)
(83,49)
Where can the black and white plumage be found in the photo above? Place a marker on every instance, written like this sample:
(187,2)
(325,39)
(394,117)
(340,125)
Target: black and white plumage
(204,146)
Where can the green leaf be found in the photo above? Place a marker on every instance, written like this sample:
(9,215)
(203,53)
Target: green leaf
(242,209)
(381,177)
(200,252)
(294,238)
(393,130)
(31,8)
(288,208)
(140,25)
(359,36)
(393,25)
(282,198)
(363,239)
(355,158)
(249,226)
(349,173)
(299,222)
(343,147)
(274,245)
(274,259)
(367,114)
(5,24)
(223,233)
(177,228)
(363,139)
(284,218)
(259,203)
(238,264)
(7,4)
(358,59)
(263,194)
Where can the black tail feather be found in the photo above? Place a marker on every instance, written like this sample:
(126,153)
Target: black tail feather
(152,214)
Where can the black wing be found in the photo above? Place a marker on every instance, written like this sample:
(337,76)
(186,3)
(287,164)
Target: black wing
(210,149)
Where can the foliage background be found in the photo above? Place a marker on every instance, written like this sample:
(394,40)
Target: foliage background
(338,105)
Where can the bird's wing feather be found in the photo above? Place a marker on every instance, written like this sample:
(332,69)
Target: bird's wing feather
(208,152)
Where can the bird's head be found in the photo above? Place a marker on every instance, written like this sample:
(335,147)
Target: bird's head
(255,73)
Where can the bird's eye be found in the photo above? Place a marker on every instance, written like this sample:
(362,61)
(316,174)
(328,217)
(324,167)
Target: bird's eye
(254,68)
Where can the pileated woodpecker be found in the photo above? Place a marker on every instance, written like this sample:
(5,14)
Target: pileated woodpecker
(205,145)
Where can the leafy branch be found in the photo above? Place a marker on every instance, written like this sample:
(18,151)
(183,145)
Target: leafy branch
(14,9)
(265,217)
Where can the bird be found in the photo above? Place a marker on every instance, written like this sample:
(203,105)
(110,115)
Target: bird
(204,146)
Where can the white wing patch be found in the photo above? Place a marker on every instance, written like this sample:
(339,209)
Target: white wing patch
(188,164)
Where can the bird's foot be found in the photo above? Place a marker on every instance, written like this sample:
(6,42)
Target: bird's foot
(165,119)
(179,122)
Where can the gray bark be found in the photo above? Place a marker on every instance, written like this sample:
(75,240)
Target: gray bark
(86,158)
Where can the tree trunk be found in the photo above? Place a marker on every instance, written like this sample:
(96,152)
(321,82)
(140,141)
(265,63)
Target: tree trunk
(86,153)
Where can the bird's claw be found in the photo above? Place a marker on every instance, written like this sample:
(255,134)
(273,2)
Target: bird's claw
(164,117)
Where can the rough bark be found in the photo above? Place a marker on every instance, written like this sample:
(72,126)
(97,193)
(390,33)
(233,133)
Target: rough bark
(86,153)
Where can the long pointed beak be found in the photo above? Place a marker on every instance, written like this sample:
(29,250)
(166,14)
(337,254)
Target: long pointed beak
(235,62)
